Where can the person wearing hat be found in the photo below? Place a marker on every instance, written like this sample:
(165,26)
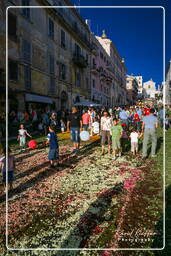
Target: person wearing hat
(149,128)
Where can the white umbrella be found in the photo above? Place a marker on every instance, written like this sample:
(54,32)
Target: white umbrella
(87,104)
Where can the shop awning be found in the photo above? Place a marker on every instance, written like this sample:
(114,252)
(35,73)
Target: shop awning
(37,98)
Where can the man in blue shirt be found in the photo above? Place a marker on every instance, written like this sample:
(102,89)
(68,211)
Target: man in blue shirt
(139,112)
(149,127)
(123,116)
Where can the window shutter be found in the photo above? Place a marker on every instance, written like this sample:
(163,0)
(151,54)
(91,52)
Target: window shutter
(51,64)
(27,77)
(26,50)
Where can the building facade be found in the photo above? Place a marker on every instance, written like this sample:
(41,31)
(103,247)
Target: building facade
(48,55)
(118,71)
(101,77)
(149,89)
(132,86)
(54,61)
(140,86)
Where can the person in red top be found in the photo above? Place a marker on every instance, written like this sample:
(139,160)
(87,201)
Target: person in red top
(146,111)
(137,121)
(85,120)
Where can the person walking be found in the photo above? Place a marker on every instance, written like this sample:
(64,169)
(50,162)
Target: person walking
(45,121)
(149,128)
(85,120)
(75,124)
(22,133)
(52,140)
(10,170)
(123,116)
(106,124)
(116,132)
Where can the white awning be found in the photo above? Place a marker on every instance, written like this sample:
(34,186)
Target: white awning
(37,98)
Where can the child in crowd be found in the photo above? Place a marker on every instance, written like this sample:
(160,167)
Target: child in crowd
(40,127)
(134,141)
(11,168)
(124,137)
(22,133)
(116,132)
(95,126)
(52,140)
(62,126)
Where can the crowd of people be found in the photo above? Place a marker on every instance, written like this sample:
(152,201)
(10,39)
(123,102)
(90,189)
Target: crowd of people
(119,128)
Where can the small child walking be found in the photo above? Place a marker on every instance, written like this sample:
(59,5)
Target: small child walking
(124,138)
(52,140)
(11,168)
(22,133)
(62,126)
(134,141)
(116,132)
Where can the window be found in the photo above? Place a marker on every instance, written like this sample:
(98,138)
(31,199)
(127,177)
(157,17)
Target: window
(26,11)
(77,50)
(75,25)
(26,48)
(13,70)
(27,77)
(51,28)
(62,71)
(87,82)
(63,44)
(93,81)
(52,85)
(78,79)
(149,87)
(51,64)
(12,26)
(101,55)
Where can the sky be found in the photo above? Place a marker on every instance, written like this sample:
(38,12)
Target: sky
(136,32)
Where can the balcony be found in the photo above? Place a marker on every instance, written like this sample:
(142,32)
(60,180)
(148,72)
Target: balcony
(80,60)
(109,80)
(111,69)
(66,19)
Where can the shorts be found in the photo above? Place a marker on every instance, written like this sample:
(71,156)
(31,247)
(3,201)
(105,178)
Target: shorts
(116,143)
(53,154)
(22,141)
(10,176)
(62,129)
(105,135)
(75,134)
(85,127)
(134,146)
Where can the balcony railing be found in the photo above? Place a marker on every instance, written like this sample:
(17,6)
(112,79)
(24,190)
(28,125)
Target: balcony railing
(80,60)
